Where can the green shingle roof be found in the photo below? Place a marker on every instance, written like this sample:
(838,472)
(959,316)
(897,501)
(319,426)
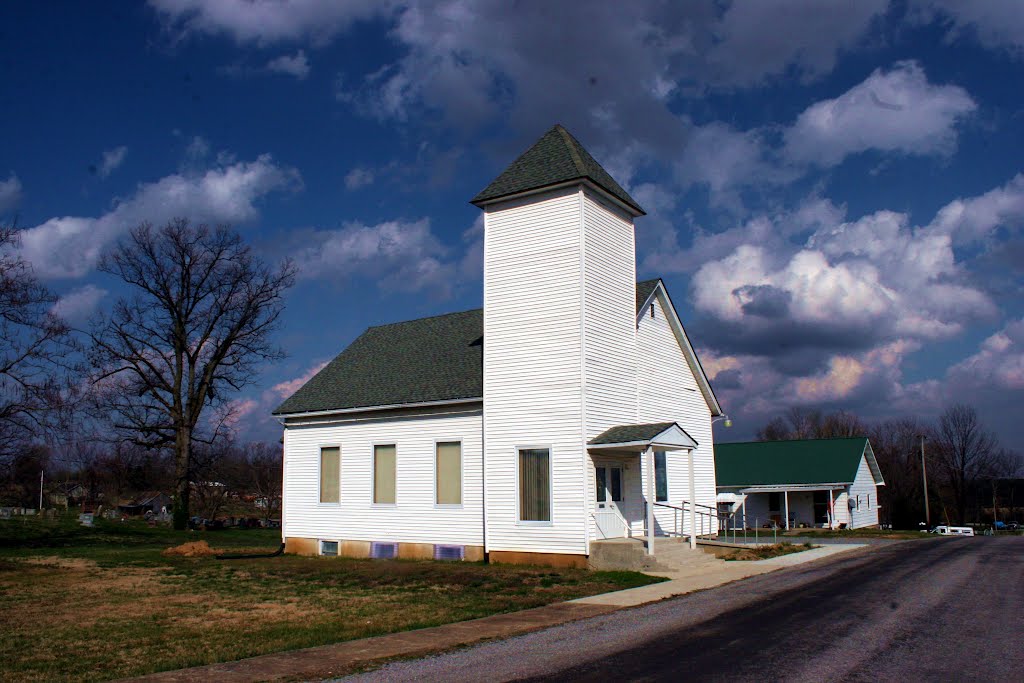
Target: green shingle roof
(556,158)
(776,463)
(644,290)
(418,361)
(630,433)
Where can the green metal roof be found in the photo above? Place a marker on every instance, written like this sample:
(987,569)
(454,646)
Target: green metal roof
(556,158)
(630,433)
(419,361)
(776,463)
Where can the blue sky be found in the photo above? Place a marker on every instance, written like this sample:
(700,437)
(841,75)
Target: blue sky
(835,196)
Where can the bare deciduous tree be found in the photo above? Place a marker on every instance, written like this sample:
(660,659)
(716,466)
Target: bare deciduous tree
(194,328)
(33,341)
(266,476)
(801,423)
(966,453)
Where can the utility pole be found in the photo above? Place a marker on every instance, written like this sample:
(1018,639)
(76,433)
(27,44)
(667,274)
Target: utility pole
(924,475)
(40,491)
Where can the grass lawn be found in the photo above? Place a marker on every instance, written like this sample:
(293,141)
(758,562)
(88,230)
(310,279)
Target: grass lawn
(94,604)
(765,552)
(854,534)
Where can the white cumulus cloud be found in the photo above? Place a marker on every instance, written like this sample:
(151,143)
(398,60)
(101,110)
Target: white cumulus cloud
(997,24)
(112,159)
(77,305)
(296,65)
(895,111)
(400,255)
(975,218)
(267,21)
(358,177)
(10,193)
(70,246)
(998,364)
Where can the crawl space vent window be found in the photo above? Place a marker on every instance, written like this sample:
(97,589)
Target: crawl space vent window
(329,548)
(449,552)
(383,551)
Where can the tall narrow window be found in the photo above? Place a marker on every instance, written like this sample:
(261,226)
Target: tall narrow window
(448,466)
(384,475)
(615,480)
(660,477)
(534,485)
(330,474)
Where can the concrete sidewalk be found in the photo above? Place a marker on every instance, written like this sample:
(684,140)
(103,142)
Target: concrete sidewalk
(330,661)
(727,572)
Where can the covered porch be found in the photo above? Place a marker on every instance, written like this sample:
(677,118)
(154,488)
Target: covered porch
(626,481)
(782,506)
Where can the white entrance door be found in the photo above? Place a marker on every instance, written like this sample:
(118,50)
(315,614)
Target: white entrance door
(610,522)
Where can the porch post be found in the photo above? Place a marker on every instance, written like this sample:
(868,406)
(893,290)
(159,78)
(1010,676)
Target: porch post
(831,510)
(649,467)
(693,504)
(785,494)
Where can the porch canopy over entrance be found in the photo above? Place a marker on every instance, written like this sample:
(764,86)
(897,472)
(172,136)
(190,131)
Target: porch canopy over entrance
(658,436)
(644,439)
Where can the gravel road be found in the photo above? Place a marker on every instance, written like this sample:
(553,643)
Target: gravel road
(931,610)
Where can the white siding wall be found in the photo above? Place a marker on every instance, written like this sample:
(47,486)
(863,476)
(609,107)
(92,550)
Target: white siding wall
(414,518)
(864,485)
(610,314)
(610,371)
(668,392)
(533,366)
(756,510)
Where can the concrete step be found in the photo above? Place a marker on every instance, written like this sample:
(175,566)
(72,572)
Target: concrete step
(670,556)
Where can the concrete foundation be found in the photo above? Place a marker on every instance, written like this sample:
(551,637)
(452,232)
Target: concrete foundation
(361,549)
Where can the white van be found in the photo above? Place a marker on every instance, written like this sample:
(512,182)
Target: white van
(953,531)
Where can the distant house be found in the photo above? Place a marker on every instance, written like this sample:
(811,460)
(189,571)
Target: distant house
(831,483)
(150,501)
(570,410)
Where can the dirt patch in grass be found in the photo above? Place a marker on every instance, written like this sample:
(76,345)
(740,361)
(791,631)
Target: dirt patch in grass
(766,552)
(192,549)
(90,608)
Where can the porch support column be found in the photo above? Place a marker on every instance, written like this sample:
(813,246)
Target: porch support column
(693,503)
(785,495)
(831,510)
(649,471)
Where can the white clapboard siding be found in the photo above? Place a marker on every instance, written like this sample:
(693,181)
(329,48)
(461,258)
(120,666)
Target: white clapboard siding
(610,313)
(610,338)
(864,485)
(414,518)
(668,393)
(533,365)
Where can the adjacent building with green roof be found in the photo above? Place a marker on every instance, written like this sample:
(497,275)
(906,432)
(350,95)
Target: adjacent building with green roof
(808,482)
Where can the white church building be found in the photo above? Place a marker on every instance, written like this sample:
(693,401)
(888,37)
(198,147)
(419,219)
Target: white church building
(570,410)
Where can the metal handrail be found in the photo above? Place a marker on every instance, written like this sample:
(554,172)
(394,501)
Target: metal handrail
(679,510)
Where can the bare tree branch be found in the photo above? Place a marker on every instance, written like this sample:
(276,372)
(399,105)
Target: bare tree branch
(195,328)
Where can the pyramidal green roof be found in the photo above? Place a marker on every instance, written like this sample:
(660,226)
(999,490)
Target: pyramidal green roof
(777,463)
(556,158)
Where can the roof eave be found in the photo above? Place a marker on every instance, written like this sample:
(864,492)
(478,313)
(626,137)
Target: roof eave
(633,209)
(366,409)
